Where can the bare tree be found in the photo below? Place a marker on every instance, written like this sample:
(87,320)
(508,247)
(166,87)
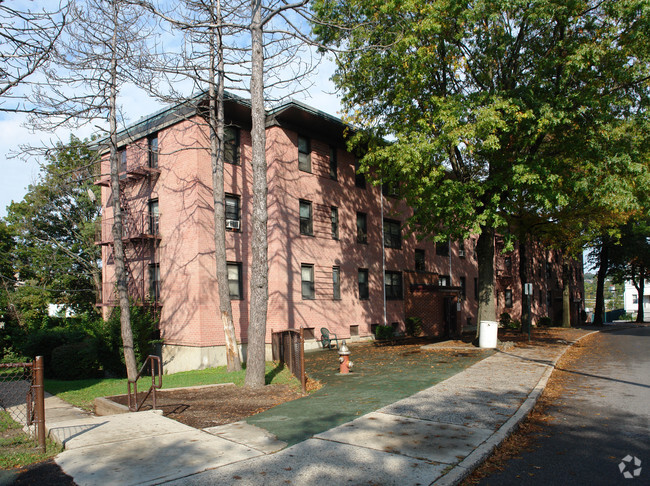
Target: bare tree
(27,41)
(105,46)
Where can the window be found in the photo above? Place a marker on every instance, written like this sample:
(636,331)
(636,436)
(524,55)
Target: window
(233,214)
(304,154)
(507,261)
(508,298)
(635,298)
(362,228)
(306,226)
(461,249)
(444,280)
(548,270)
(152,143)
(154,217)
(389,189)
(359,177)
(363,284)
(121,158)
(154,281)
(307,278)
(476,288)
(392,234)
(442,249)
(335,222)
(420,264)
(231,145)
(393,285)
(334,164)
(463,287)
(336,283)
(235,281)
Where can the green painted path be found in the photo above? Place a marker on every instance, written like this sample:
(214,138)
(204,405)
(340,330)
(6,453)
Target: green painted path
(381,376)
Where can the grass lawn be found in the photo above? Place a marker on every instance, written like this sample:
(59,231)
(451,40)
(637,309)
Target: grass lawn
(82,393)
(18,448)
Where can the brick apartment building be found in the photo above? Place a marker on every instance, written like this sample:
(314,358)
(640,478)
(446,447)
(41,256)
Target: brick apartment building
(339,255)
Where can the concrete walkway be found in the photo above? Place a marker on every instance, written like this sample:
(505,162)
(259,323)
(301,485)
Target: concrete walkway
(436,436)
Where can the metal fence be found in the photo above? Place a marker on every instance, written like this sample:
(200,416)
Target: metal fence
(22,396)
(289,349)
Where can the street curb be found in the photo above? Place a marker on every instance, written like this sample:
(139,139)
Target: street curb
(482,452)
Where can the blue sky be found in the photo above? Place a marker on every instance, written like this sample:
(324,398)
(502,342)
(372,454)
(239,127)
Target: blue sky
(19,172)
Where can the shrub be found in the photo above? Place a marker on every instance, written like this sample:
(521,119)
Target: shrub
(413,326)
(43,341)
(544,322)
(75,361)
(384,332)
(505,320)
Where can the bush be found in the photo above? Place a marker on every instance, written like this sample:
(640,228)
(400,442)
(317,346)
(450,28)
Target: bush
(75,361)
(384,332)
(544,322)
(505,320)
(42,342)
(413,326)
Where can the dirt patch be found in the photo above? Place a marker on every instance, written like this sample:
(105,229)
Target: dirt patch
(524,438)
(203,407)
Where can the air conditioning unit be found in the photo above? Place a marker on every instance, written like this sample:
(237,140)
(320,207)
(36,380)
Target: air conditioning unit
(232,224)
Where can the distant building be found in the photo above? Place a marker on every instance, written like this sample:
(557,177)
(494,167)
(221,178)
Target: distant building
(631,300)
(339,255)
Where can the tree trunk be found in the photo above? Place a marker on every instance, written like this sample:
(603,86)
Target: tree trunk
(566,295)
(640,287)
(120,264)
(487,310)
(216,119)
(523,277)
(599,309)
(255,362)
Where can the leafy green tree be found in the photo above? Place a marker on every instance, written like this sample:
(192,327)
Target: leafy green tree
(502,116)
(630,259)
(54,227)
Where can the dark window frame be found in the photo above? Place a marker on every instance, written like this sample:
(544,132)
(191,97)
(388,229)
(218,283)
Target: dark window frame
(153,208)
(304,154)
(334,164)
(229,214)
(307,287)
(359,177)
(392,234)
(154,281)
(444,281)
(442,248)
(364,286)
(507,298)
(231,145)
(336,283)
(420,263)
(334,216)
(463,287)
(152,149)
(239,294)
(306,223)
(362,229)
(393,285)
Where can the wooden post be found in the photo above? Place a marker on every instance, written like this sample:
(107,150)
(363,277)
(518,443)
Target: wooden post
(39,370)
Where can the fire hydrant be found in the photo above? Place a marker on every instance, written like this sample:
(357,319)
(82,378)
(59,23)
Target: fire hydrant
(344,359)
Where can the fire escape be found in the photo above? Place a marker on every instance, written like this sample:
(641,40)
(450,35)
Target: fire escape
(140,234)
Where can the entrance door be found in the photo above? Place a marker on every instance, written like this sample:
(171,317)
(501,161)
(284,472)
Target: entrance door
(449,316)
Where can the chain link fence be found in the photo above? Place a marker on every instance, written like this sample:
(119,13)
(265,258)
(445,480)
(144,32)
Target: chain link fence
(22,395)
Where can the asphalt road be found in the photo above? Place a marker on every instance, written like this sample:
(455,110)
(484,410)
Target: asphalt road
(602,417)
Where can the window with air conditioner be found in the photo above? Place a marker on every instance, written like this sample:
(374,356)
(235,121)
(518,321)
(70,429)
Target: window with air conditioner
(233,212)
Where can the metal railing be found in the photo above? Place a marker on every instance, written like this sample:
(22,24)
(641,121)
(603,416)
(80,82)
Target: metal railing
(156,371)
(134,226)
(22,395)
(289,348)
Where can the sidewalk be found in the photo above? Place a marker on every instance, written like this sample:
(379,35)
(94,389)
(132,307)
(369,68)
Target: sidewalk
(436,436)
